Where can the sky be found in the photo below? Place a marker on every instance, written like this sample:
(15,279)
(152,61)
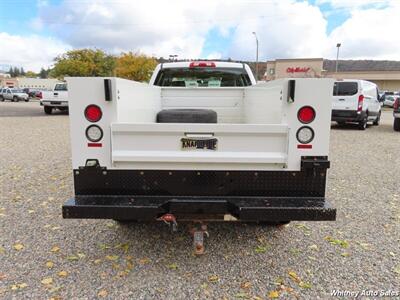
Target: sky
(33,32)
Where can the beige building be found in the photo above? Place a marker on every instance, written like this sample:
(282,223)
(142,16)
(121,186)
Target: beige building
(386,74)
(24,82)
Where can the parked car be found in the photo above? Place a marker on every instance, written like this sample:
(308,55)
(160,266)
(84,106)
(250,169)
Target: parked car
(388,100)
(14,95)
(396,115)
(356,101)
(56,99)
(31,92)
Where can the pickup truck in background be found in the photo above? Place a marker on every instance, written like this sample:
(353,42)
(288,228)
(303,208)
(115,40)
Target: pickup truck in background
(13,94)
(56,99)
(202,142)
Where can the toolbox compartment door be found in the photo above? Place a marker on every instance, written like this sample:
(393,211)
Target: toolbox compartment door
(161,146)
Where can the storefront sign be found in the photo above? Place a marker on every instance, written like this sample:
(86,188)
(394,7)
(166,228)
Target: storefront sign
(297,70)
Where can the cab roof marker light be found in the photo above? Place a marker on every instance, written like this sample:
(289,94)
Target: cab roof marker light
(202,64)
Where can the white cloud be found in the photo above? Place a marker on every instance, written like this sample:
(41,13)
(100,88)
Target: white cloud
(285,29)
(368,33)
(214,55)
(153,27)
(31,52)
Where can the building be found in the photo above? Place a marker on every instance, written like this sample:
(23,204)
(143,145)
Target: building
(385,73)
(7,81)
(24,82)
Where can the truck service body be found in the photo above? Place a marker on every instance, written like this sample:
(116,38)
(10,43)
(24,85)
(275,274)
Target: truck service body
(264,160)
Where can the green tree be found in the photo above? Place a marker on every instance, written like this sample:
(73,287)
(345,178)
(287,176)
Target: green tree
(135,66)
(11,72)
(22,71)
(16,72)
(43,73)
(30,74)
(83,62)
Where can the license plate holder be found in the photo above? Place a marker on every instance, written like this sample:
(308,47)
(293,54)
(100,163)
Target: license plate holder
(199,143)
(55,102)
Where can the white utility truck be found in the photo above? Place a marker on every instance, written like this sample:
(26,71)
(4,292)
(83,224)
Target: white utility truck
(201,142)
(55,99)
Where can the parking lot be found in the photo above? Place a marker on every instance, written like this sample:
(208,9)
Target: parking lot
(43,256)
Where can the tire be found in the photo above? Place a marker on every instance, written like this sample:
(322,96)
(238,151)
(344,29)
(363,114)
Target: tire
(377,120)
(27,100)
(187,116)
(362,125)
(1,98)
(396,124)
(15,99)
(48,110)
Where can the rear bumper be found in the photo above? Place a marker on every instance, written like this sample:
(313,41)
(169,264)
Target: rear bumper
(54,103)
(347,115)
(246,195)
(250,209)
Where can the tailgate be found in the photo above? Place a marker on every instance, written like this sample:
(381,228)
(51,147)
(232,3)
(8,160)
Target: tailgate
(237,146)
(55,96)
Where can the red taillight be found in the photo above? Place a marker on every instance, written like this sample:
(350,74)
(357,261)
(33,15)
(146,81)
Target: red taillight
(306,114)
(360,102)
(396,104)
(195,64)
(93,113)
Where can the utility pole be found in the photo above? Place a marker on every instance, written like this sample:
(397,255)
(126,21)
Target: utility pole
(337,56)
(255,34)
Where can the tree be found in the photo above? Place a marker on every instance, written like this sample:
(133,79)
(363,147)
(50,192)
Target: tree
(43,73)
(22,71)
(84,62)
(135,66)
(11,72)
(30,74)
(16,72)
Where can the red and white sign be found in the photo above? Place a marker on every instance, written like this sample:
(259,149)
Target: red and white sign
(297,70)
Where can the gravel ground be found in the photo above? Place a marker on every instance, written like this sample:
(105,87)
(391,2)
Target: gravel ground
(43,256)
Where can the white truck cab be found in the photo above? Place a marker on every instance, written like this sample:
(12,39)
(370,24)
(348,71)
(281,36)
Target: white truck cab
(55,99)
(356,101)
(202,141)
(202,74)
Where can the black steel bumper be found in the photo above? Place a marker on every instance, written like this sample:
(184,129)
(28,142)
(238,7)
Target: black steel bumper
(246,195)
(348,115)
(192,208)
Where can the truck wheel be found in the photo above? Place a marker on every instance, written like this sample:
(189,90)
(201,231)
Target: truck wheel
(15,99)
(27,100)
(187,116)
(48,110)
(377,120)
(362,125)
(1,98)
(396,124)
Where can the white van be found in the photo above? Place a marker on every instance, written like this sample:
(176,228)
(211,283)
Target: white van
(356,101)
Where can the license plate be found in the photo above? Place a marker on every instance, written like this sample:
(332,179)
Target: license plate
(202,144)
(55,102)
